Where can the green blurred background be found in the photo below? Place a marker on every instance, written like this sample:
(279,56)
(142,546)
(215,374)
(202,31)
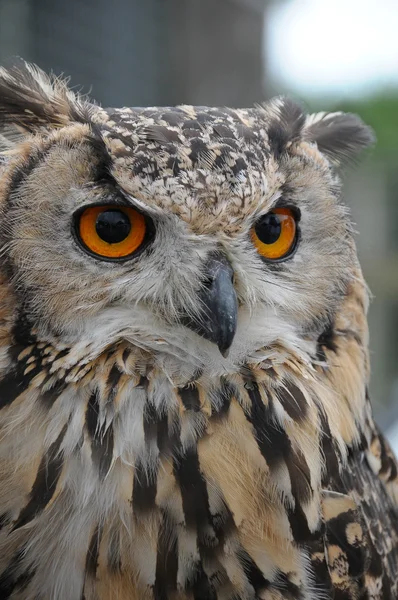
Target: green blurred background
(333,55)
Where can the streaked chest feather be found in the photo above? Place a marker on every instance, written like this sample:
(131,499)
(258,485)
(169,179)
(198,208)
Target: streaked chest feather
(117,484)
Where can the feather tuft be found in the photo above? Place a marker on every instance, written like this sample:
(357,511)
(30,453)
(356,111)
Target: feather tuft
(341,136)
(32,101)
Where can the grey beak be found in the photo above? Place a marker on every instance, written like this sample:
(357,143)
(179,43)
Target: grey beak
(219,305)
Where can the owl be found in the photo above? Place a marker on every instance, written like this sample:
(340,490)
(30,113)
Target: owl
(184,365)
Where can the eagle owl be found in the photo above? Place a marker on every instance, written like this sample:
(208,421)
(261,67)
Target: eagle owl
(184,356)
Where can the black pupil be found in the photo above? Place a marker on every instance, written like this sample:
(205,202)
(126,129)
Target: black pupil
(268,228)
(113,226)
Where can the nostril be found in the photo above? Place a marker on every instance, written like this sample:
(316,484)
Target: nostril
(208,282)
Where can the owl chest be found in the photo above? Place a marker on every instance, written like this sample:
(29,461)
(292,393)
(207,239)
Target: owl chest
(169,504)
(138,548)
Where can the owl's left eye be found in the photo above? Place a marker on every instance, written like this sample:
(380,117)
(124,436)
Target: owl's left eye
(275,234)
(111,231)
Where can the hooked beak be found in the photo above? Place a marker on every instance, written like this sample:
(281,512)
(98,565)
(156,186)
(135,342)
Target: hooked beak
(219,305)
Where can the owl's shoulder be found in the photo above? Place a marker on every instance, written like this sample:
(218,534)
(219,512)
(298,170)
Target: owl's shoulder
(360,513)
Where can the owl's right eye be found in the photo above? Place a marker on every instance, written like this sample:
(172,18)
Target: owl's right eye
(111,232)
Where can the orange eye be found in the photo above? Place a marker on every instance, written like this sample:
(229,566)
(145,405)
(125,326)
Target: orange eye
(274,234)
(111,231)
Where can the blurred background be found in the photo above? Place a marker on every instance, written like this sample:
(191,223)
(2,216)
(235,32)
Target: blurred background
(333,55)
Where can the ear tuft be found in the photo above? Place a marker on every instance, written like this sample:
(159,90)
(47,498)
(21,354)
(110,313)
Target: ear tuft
(286,122)
(31,100)
(341,136)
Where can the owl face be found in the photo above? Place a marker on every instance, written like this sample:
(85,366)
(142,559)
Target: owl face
(203,237)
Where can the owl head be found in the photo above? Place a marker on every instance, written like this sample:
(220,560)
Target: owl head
(206,238)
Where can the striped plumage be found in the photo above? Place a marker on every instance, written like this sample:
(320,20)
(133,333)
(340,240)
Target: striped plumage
(137,462)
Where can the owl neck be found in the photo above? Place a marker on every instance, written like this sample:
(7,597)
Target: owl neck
(336,365)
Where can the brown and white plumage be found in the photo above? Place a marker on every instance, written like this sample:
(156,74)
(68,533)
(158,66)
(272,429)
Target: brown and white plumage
(136,461)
